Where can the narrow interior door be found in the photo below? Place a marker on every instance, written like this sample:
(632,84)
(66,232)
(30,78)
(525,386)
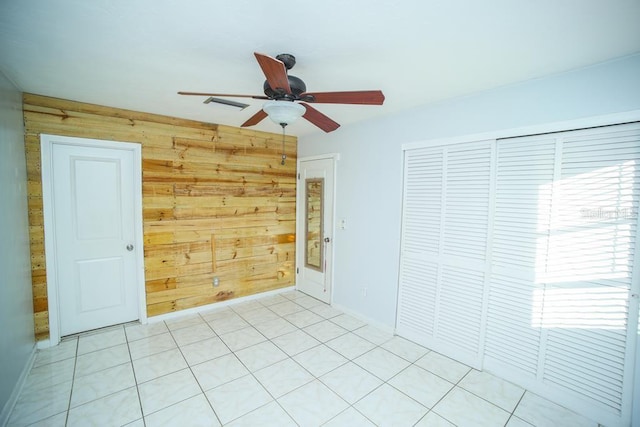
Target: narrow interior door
(315,227)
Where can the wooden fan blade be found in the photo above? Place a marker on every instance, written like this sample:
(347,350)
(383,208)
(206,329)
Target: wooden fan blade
(275,72)
(255,119)
(319,119)
(229,95)
(363,97)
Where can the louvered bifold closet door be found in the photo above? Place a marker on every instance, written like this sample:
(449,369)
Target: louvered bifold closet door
(422,218)
(443,268)
(564,261)
(588,277)
(524,181)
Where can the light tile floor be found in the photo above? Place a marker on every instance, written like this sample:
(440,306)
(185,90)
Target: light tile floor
(283,360)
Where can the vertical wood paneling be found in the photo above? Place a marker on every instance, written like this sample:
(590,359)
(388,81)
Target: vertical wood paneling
(216,202)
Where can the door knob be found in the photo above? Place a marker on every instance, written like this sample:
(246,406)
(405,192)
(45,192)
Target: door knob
(129,247)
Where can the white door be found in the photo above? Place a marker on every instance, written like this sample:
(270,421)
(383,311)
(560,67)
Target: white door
(315,227)
(95,227)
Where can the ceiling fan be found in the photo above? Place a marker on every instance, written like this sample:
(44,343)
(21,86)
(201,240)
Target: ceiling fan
(288,98)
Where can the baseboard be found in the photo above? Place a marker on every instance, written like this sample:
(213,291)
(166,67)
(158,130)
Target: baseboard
(17,389)
(44,344)
(208,307)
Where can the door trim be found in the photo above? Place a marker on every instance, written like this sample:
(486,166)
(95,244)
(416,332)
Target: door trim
(334,157)
(46,148)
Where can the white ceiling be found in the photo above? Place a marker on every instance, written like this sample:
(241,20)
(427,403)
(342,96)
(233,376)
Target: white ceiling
(137,54)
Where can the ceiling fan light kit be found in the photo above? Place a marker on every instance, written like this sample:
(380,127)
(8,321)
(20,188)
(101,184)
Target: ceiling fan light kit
(283,112)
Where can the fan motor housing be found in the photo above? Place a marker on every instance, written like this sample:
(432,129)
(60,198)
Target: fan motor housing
(297,87)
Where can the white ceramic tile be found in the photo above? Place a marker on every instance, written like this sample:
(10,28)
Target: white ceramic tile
(320,359)
(477,412)
(325,311)
(312,404)
(373,334)
(246,306)
(284,308)
(348,322)
(491,388)
(404,348)
(217,314)
(448,369)
(304,318)
(386,406)
(167,390)
(228,324)
(65,350)
(283,377)
(381,363)
(307,301)
(119,408)
(325,331)
(543,413)
(293,295)
(191,334)
(219,371)
(194,411)
(421,385)
(517,422)
(433,420)
(275,328)
(136,332)
(273,299)
(151,345)
(237,398)
(59,420)
(350,345)
(295,342)
(202,351)
(351,382)
(49,375)
(40,404)
(136,423)
(100,340)
(350,417)
(269,415)
(184,321)
(259,316)
(157,365)
(102,383)
(101,359)
(260,355)
(242,338)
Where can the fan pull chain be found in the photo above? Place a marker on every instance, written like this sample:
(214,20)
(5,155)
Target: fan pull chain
(284,156)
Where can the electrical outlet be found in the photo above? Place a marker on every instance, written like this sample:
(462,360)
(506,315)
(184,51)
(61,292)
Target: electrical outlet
(216,281)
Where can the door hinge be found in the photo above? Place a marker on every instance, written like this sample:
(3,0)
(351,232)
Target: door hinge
(297,271)
(298,177)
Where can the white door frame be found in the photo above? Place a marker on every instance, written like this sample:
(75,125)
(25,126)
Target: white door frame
(300,220)
(46,147)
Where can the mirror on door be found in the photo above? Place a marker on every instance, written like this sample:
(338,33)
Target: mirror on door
(314,189)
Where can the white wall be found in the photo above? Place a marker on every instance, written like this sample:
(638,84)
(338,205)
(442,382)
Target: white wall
(17,340)
(369,173)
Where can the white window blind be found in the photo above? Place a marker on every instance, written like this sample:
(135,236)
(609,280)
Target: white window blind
(519,256)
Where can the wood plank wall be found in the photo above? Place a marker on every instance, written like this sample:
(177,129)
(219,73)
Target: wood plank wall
(216,202)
